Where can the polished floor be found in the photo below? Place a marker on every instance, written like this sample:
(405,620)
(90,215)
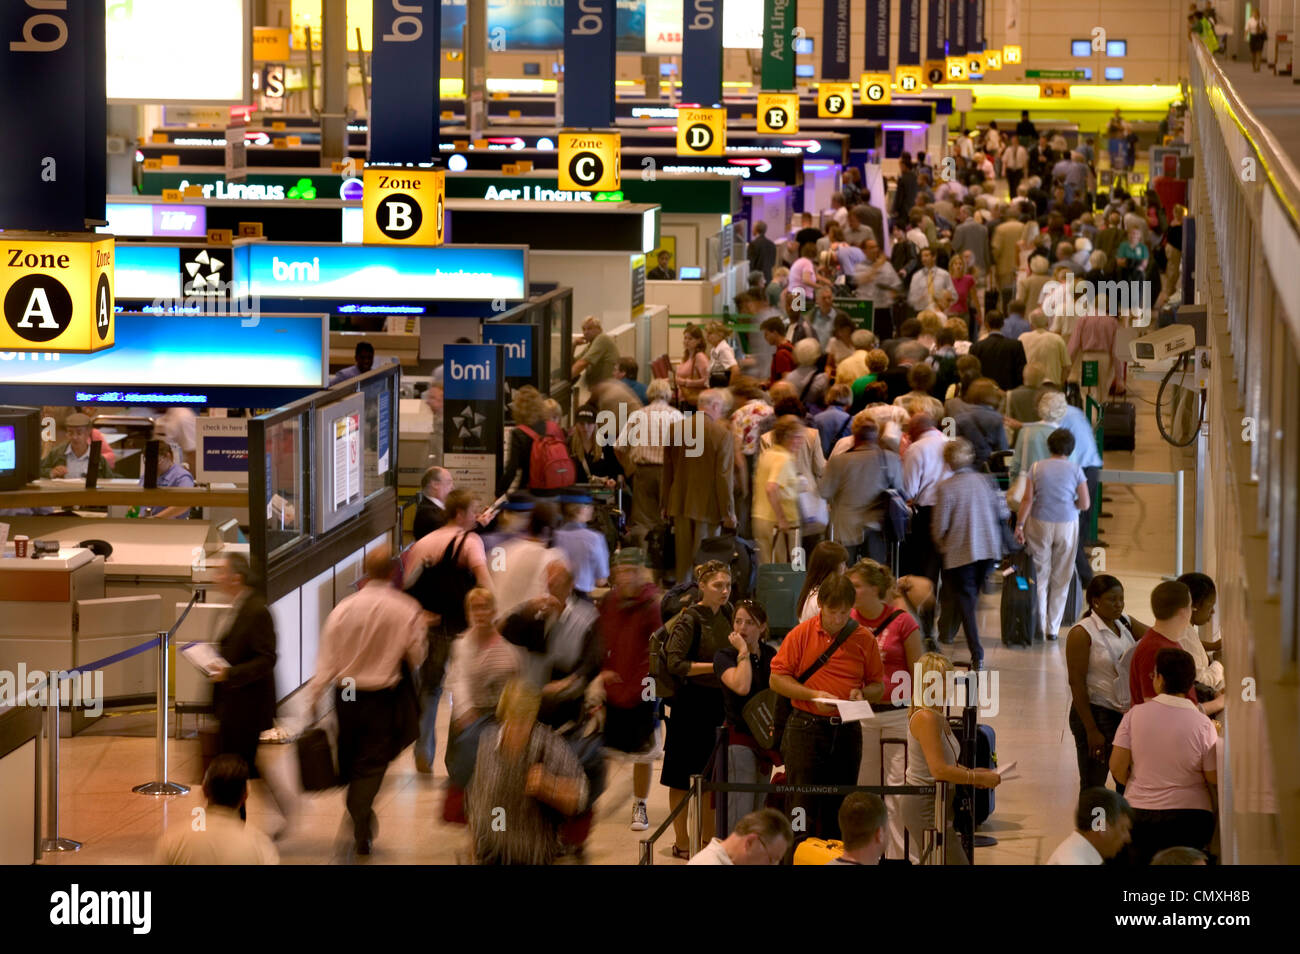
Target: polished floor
(1033,813)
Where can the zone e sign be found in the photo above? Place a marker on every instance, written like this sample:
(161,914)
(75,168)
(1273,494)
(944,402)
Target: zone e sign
(701,131)
(778,113)
(57,292)
(590,161)
(403,206)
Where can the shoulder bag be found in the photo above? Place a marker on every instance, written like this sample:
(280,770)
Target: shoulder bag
(767,713)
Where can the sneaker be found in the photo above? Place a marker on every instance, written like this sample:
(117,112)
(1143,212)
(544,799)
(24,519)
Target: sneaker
(640,817)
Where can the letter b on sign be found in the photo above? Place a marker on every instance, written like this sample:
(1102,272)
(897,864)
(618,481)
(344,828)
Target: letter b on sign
(399,216)
(403,206)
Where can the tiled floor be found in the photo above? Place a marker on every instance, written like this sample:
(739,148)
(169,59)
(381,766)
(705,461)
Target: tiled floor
(1032,814)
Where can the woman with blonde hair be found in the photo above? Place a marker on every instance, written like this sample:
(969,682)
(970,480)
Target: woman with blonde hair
(932,759)
(723,366)
(528,409)
(776,489)
(692,374)
(963,280)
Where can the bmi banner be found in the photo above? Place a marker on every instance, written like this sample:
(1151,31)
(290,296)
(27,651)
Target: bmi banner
(935,26)
(957,18)
(702,52)
(909,32)
(975,26)
(877,37)
(836,19)
(778,44)
(473,425)
(590,40)
(53,164)
(404,75)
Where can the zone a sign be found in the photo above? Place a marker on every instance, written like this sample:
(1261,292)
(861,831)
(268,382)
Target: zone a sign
(56,292)
(403,206)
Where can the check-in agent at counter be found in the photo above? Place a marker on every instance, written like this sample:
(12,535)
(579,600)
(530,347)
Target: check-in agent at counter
(71,458)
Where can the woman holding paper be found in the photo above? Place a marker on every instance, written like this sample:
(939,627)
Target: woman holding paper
(932,753)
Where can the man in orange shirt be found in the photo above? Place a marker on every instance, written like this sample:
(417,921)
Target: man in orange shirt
(827,657)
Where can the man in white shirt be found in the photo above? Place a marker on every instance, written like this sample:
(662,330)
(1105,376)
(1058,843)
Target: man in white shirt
(928,281)
(223,838)
(760,838)
(1102,822)
(923,470)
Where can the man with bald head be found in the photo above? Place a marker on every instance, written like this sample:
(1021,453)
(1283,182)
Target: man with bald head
(365,641)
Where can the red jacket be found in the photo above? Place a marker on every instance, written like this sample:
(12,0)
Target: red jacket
(625,629)
(782,362)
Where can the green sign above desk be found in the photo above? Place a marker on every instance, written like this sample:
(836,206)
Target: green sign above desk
(1055,74)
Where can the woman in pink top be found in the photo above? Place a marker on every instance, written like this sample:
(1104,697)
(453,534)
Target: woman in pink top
(803,274)
(1165,755)
(692,374)
(899,639)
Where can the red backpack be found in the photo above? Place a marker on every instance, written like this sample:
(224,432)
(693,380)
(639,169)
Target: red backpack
(549,464)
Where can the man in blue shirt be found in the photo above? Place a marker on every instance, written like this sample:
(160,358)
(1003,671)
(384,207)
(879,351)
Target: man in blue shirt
(586,550)
(170,474)
(626,371)
(1015,325)
(1087,456)
(363,359)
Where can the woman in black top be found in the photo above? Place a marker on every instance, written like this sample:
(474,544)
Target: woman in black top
(596,462)
(744,668)
(695,711)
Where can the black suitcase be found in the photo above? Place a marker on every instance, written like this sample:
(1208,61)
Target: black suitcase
(316,761)
(1118,425)
(1019,603)
(973,806)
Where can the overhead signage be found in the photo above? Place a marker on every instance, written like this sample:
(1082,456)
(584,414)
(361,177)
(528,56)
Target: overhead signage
(56,294)
(404,80)
(936,12)
(992,60)
(190,352)
(52,166)
(742,23)
(778,44)
(393,272)
(404,206)
(875,88)
(1075,75)
(909,32)
(589,55)
(936,72)
(835,100)
(702,50)
(701,132)
(956,68)
(150,220)
(590,161)
(1054,90)
(222,450)
(974,64)
(663,27)
(876,47)
(778,113)
(909,79)
(254,186)
(199,115)
(837,18)
(270,44)
(956,13)
(208,45)
(699,194)
(975,27)
(519,355)
(1011,55)
(473,430)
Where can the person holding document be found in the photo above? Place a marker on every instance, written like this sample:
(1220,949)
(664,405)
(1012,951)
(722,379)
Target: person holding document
(829,657)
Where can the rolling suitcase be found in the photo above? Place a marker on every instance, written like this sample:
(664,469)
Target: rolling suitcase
(972,806)
(778,593)
(1118,424)
(316,761)
(1019,614)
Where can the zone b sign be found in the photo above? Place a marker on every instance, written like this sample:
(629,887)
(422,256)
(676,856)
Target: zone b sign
(778,113)
(701,132)
(57,293)
(403,206)
(589,161)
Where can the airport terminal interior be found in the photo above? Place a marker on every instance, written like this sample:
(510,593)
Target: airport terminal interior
(650,432)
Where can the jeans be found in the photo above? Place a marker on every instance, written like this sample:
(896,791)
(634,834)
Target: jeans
(430,685)
(957,604)
(746,765)
(1093,772)
(820,752)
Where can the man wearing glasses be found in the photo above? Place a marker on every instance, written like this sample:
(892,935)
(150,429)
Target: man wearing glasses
(760,838)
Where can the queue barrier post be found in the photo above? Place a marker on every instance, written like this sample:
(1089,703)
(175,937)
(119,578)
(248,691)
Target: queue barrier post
(52,841)
(161,786)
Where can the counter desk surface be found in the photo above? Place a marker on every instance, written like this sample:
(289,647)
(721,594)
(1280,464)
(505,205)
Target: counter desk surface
(153,548)
(117,493)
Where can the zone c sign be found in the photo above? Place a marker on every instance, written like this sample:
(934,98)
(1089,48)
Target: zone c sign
(590,161)
(57,294)
(403,206)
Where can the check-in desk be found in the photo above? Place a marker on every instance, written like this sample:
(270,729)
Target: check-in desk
(20,787)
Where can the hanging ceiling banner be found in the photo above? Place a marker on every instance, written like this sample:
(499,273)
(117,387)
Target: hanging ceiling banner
(909,33)
(836,22)
(590,48)
(935,27)
(404,73)
(957,27)
(778,44)
(701,52)
(975,26)
(876,58)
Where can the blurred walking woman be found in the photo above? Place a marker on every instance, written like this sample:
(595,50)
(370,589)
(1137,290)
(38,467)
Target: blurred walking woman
(692,374)
(696,636)
(932,753)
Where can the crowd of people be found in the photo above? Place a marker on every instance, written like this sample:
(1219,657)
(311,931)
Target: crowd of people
(889,470)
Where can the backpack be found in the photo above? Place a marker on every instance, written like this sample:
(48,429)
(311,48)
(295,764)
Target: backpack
(549,465)
(665,682)
(441,587)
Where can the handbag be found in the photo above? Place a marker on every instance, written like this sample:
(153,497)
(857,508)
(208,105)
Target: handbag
(316,767)
(768,712)
(814,512)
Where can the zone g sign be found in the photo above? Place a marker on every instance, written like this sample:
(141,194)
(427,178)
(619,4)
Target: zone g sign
(57,293)
(589,161)
(403,206)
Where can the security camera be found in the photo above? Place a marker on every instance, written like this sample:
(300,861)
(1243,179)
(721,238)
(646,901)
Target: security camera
(1162,345)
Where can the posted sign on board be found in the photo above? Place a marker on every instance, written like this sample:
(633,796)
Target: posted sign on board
(57,294)
(403,206)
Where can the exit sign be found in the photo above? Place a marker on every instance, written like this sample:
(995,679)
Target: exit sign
(1055,74)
